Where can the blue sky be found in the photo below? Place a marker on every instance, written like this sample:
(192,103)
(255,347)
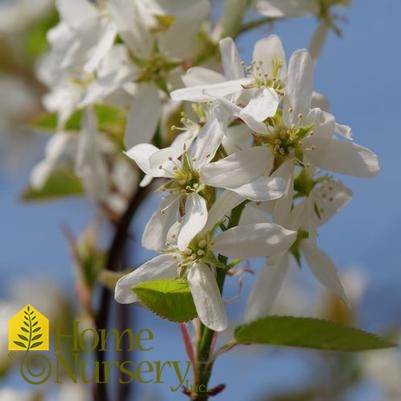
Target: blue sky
(360,74)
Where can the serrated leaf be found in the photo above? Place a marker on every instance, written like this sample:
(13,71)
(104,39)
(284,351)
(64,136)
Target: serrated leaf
(36,344)
(20,344)
(22,337)
(308,333)
(169,299)
(36,337)
(61,183)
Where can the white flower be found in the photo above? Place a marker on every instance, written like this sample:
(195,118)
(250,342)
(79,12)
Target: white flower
(244,172)
(193,264)
(304,136)
(325,200)
(261,88)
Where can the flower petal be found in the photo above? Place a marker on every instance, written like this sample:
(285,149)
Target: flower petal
(143,116)
(238,169)
(207,142)
(254,240)
(231,59)
(160,267)
(266,287)
(266,51)
(323,268)
(299,86)
(262,105)
(196,76)
(343,157)
(141,155)
(207,298)
(155,234)
(194,220)
(262,189)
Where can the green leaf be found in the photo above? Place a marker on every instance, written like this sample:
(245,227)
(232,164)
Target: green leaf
(22,337)
(61,183)
(308,333)
(36,344)
(111,120)
(20,344)
(36,337)
(169,299)
(47,122)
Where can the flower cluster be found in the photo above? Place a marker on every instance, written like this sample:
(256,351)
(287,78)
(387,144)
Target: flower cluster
(247,176)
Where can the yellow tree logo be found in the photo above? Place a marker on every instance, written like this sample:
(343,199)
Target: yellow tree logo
(28,330)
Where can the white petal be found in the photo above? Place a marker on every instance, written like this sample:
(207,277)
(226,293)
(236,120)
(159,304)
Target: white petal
(141,155)
(282,206)
(237,138)
(222,207)
(323,268)
(197,76)
(207,142)
(143,116)
(254,240)
(266,51)
(239,168)
(343,157)
(287,8)
(206,93)
(131,27)
(160,267)
(194,220)
(231,59)
(207,298)
(319,101)
(266,287)
(299,85)
(155,232)
(261,106)
(105,41)
(262,189)
(344,130)
(77,12)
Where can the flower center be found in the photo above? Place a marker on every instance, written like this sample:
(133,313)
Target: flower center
(263,80)
(155,69)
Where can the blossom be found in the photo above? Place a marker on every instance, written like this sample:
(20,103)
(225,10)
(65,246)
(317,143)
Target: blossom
(195,264)
(190,175)
(323,202)
(262,86)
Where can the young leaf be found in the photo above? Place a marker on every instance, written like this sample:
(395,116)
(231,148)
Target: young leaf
(20,344)
(169,299)
(60,184)
(308,333)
